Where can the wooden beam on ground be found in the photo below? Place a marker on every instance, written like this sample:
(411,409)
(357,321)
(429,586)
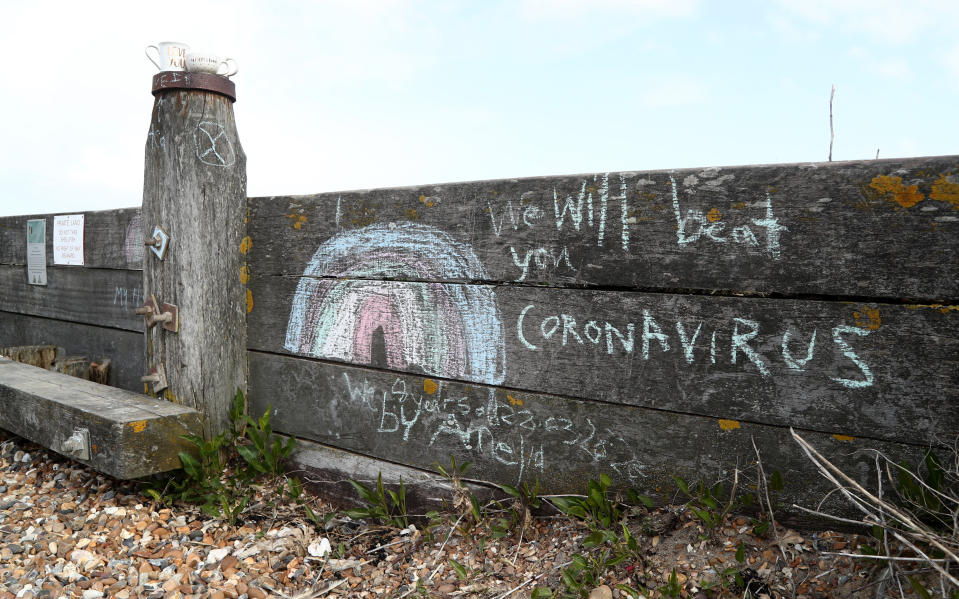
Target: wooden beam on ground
(326,471)
(128,435)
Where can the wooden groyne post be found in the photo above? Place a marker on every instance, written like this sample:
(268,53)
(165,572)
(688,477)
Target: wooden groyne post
(194,206)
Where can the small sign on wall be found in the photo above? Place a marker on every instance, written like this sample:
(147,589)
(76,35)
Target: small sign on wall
(37,251)
(68,239)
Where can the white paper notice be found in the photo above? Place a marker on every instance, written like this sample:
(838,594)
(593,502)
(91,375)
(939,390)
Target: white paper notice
(37,251)
(68,239)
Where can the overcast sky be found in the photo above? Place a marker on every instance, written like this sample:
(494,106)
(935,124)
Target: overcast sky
(352,94)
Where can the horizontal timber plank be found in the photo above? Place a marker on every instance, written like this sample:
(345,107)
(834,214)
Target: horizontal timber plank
(130,435)
(326,471)
(511,437)
(111,238)
(871,370)
(123,348)
(878,229)
(104,297)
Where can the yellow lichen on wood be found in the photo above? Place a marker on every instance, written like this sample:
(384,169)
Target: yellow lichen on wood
(868,318)
(430,386)
(513,401)
(245,244)
(944,190)
(138,426)
(298,220)
(893,189)
(714,215)
(945,309)
(728,425)
(249,301)
(245,274)
(843,438)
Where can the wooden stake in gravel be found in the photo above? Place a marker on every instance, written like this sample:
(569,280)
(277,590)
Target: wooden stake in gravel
(194,196)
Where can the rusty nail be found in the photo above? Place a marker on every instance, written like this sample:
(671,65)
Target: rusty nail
(165,317)
(144,310)
(150,378)
(153,241)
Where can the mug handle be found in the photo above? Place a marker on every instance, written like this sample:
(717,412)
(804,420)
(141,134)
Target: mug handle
(146,51)
(229,72)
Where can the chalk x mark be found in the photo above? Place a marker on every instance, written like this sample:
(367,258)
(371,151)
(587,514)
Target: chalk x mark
(209,145)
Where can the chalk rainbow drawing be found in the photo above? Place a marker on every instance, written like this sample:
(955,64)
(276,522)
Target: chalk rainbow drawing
(444,330)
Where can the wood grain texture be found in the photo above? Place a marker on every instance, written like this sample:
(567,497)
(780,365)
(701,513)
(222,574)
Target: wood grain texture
(111,238)
(871,370)
(512,436)
(326,471)
(41,356)
(875,229)
(102,297)
(131,435)
(195,188)
(123,348)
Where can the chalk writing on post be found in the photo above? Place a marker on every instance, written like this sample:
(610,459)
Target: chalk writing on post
(444,330)
(212,144)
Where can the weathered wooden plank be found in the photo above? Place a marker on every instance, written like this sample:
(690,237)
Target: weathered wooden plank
(124,348)
(879,229)
(195,189)
(77,366)
(111,238)
(326,471)
(874,370)
(129,435)
(513,436)
(96,296)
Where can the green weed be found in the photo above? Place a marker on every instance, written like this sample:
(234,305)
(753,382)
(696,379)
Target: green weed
(385,506)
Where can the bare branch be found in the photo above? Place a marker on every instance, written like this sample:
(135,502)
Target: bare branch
(832,94)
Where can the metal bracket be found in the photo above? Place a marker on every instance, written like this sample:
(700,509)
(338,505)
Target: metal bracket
(77,445)
(166,314)
(159,242)
(158,377)
(170,317)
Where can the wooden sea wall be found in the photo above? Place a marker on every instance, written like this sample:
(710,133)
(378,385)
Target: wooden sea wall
(641,324)
(83,310)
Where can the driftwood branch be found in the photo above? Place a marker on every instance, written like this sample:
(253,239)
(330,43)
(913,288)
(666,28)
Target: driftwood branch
(832,94)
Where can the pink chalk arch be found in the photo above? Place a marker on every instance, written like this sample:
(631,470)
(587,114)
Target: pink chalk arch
(444,330)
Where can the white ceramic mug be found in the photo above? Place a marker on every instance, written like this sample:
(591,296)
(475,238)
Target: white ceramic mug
(197,62)
(171,55)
